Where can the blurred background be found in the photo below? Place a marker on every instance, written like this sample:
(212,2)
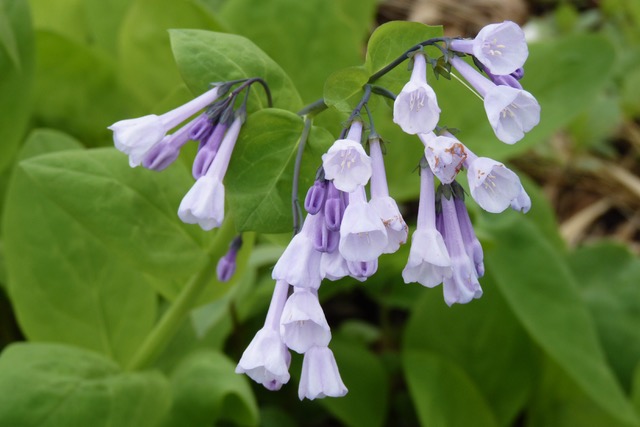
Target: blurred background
(555,340)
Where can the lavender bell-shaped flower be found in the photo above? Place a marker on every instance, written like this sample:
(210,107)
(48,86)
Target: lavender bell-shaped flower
(511,112)
(462,286)
(471,243)
(493,186)
(303,324)
(333,266)
(362,270)
(445,155)
(522,203)
(429,263)
(266,360)
(385,206)
(502,48)
(299,265)
(204,203)
(320,376)
(363,236)
(136,137)
(346,162)
(416,109)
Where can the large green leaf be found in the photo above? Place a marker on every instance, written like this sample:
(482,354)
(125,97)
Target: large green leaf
(104,20)
(259,180)
(608,275)
(484,339)
(146,63)
(16,69)
(343,89)
(564,75)
(51,385)
(206,390)
(81,94)
(205,57)
(443,394)
(544,296)
(310,39)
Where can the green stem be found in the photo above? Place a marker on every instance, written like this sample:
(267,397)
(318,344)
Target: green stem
(174,317)
(314,108)
(295,204)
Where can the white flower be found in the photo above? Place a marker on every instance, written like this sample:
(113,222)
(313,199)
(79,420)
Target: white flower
(363,236)
(493,186)
(320,377)
(136,137)
(266,359)
(397,230)
(416,109)
(333,266)
(511,112)
(429,263)
(347,164)
(303,324)
(445,155)
(204,203)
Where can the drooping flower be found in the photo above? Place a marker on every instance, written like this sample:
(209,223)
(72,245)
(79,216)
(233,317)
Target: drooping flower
(385,206)
(333,266)
(266,359)
(445,155)
(429,261)
(204,203)
(511,112)
(493,186)
(462,286)
(416,109)
(363,236)
(320,376)
(299,265)
(502,48)
(346,162)
(471,243)
(136,137)
(303,324)
(164,153)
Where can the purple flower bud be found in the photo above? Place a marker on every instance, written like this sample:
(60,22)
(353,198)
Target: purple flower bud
(161,155)
(227,264)
(207,151)
(518,74)
(325,240)
(316,195)
(334,208)
(201,129)
(362,270)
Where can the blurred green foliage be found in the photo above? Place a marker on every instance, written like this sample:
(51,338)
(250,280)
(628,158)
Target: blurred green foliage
(92,253)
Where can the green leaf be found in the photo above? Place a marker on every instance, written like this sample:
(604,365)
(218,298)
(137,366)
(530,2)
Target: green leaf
(204,57)
(259,180)
(43,141)
(16,69)
(206,390)
(104,20)
(324,37)
(564,75)
(391,40)
(543,294)
(463,335)
(609,275)
(443,394)
(343,89)
(51,385)
(366,403)
(146,62)
(81,94)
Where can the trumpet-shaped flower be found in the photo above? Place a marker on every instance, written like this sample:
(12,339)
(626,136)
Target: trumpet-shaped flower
(493,186)
(266,359)
(136,137)
(416,109)
(501,48)
(462,286)
(363,236)
(382,204)
(299,265)
(204,203)
(346,162)
(511,112)
(303,324)
(320,377)
(429,261)
(445,155)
